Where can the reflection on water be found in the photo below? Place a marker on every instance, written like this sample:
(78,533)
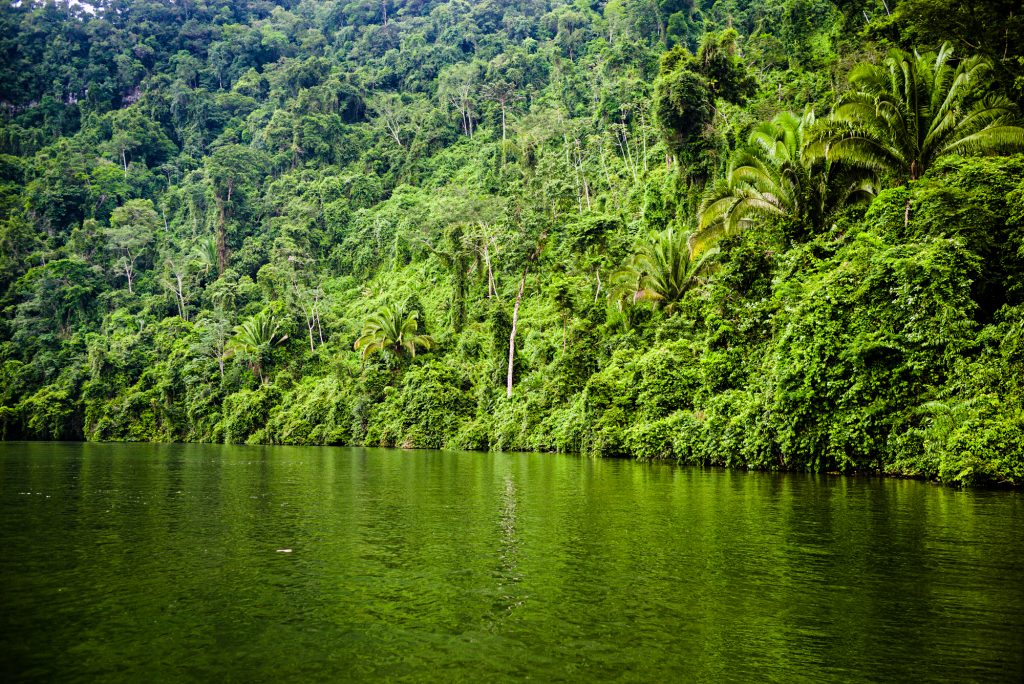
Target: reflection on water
(125,561)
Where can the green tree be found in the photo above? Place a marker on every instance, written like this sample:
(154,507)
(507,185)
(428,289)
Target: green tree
(660,271)
(393,115)
(393,331)
(131,231)
(990,27)
(688,86)
(504,93)
(135,134)
(254,340)
(683,105)
(771,176)
(54,297)
(904,114)
(177,279)
(457,87)
(206,253)
(234,172)
(18,240)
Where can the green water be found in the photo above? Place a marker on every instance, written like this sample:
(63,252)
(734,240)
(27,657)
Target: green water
(138,562)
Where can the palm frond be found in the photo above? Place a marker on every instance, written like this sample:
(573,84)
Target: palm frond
(392,330)
(904,114)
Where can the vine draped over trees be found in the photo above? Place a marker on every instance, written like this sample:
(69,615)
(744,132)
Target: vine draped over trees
(771,234)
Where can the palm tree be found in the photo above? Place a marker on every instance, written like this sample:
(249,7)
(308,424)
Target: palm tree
(253,341)
(661,271)
(206,252)
(771,176)
(912,109)
(393,331)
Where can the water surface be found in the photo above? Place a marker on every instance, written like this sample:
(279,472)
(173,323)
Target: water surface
(164,563)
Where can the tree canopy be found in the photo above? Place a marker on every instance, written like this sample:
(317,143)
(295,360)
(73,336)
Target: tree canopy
(439,223)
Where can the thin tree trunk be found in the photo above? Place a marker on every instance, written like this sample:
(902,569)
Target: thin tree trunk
(180,295)
(643,133)
(492,288)
(391,123)
(627,153)
(319,330)
(512,336)
(129,269)
(582,174)
(661,24)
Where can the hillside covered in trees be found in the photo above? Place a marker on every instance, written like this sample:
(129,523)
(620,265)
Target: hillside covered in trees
(779,234)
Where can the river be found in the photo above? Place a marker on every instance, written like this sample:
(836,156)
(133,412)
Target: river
(236,563)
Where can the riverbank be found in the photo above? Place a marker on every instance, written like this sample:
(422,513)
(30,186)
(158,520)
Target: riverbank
(723,465)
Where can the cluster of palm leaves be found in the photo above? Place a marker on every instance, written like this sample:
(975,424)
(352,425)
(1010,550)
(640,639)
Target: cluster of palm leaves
(253,341)
(661,271)
(393,331)
(898,118)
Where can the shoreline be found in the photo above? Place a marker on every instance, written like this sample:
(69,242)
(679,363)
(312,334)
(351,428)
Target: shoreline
(852,474)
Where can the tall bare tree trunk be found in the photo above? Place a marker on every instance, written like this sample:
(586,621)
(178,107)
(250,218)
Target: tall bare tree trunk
(179,292)
(316,313)
(512,337)
(492,288)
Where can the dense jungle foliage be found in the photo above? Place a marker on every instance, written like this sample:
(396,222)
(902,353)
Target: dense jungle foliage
(781,234)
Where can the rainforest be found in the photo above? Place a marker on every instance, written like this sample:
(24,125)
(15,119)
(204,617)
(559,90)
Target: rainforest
(764,234)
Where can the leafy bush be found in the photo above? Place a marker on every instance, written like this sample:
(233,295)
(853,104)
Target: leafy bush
(246,414)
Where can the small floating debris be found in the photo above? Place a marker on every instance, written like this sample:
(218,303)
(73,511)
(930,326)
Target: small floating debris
(284,550)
